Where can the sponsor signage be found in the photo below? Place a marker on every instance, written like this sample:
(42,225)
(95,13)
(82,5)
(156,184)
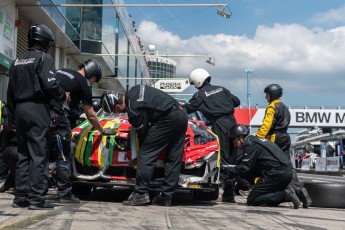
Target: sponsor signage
(299,117)
(172,85)
(320,165)
(305,164)
(7,32)
(332,164)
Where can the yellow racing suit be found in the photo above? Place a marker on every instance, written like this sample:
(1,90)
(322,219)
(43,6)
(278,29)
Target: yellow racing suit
(275,124)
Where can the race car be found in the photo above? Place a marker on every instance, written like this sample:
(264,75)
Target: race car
(107,161)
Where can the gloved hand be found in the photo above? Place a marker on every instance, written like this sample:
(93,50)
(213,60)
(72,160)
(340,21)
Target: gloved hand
(228,170)
(109,131)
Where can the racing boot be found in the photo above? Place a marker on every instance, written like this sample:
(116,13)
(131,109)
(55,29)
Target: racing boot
(136,199)
(69,198)
(228,199)
(21,204)
(229,191)
(6,186)
(44,206)
(162,200)
(290,196)
(304,197)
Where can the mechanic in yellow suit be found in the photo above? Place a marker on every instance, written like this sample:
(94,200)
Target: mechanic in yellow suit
(277,119)
(274,128)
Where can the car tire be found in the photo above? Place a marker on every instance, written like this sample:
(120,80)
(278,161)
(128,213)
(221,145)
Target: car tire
(326,195)
(206,195)
(81,189)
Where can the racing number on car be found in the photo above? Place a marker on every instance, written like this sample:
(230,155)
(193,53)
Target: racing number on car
(194,186)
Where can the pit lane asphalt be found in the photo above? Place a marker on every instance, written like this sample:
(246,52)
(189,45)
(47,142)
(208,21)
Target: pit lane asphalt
(103,210)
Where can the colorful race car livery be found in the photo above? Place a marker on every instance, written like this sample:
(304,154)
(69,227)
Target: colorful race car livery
(105,161)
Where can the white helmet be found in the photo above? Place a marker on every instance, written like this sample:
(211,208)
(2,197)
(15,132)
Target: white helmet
(198,76)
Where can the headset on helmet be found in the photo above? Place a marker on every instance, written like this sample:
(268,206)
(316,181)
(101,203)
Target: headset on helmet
(198,77)
(42,35)
(239,130)
(108,101)
(274,90)
(92,68)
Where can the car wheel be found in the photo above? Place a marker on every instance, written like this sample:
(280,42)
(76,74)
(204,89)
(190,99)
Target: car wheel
(81,189)
(206,195)
(326,195)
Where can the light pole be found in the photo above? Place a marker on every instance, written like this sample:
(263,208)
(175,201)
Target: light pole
(249,72)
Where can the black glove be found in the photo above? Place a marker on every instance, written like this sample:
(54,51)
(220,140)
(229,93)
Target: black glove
(109,131)
(228,170)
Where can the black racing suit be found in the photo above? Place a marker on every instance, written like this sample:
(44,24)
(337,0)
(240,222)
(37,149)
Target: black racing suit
(217,104)
(8,150)
(3,166)
(264,159)
(31,86)
(274,128)
(80,91)
(161,126)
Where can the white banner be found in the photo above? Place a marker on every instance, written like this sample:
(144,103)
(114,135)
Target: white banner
(305,164)
(333,164)
(320,165)
(302,117)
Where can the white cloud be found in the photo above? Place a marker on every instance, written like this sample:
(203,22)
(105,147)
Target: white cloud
(301,59)
(331,16)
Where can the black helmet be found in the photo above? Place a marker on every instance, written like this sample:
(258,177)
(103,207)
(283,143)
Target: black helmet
(108,101)
(41,35)
(92,68)
(239,130)
(96,105)
(274,90)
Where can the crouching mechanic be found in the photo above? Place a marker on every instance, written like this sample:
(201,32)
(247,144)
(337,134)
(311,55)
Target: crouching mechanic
(263,159)
(274,128)
(160,126)
(77,83)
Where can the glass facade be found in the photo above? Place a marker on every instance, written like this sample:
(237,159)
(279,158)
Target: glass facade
(102,30)
(162,67)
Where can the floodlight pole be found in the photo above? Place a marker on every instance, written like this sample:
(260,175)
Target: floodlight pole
(249,72)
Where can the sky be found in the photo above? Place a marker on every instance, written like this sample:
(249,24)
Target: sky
(299,44)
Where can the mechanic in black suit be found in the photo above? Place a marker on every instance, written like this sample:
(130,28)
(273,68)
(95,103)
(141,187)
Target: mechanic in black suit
(264,159)
(77,83)
(8,150)
(217,104)
(31,86)
(160,125)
